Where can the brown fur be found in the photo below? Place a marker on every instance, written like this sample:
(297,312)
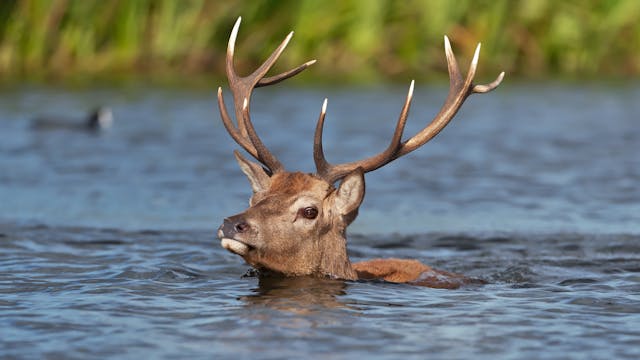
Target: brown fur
(393,270)
(284,242)
(409,271)
(292,183)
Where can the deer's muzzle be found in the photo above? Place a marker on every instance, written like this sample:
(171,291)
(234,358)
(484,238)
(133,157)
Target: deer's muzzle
(229,230)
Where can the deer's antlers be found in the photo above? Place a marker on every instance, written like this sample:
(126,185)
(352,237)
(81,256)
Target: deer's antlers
(242,87)
(245,135)
(459,90)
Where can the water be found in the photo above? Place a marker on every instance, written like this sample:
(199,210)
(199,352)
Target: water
(108,249)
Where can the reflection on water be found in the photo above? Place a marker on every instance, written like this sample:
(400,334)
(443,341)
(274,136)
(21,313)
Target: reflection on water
(300,295)
(108,249)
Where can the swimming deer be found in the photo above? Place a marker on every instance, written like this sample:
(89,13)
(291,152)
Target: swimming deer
(296,222)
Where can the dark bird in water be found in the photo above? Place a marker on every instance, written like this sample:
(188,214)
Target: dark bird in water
(99,119)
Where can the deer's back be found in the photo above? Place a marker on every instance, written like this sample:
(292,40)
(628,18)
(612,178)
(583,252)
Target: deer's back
(409,271)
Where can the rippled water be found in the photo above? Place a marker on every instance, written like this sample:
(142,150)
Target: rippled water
(107,246)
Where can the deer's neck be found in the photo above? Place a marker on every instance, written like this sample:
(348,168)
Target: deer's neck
(334,259)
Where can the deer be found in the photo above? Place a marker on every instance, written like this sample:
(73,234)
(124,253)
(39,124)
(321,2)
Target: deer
(296,222)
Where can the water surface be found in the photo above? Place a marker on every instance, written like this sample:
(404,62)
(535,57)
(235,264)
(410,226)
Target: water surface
(107,246)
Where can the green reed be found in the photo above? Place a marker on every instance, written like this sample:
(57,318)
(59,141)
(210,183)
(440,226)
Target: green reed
(355,40)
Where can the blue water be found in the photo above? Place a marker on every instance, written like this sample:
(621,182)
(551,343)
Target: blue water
(108,248)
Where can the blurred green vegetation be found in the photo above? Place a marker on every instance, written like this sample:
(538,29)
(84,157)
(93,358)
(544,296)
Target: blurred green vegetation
(354,40)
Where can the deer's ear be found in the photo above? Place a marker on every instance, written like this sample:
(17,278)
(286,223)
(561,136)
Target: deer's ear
(257,175)
(350,193)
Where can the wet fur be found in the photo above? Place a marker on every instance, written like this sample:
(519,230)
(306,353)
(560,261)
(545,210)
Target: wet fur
(319,248)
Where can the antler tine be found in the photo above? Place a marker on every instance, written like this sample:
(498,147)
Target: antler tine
(452,64)
(459,90)
(481,89)
(242,87)
(396,140)
(231,128)
(285,75)
(322,166)
(260,72)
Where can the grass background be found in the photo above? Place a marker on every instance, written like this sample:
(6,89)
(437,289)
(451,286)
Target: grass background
(354,40)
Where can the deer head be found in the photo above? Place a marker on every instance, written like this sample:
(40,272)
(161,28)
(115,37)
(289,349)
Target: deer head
(296,223)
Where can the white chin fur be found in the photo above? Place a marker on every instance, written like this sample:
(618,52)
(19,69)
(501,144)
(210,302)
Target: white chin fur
(234,246)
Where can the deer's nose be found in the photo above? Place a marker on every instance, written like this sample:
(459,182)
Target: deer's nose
(241,227)
(232,226)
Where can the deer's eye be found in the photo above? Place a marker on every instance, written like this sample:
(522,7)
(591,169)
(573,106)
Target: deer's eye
(309,212)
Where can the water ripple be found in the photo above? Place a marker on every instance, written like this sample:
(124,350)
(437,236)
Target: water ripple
(61,289)
(541,202)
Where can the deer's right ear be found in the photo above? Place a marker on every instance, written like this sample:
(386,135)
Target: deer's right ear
(350,193)
(256,174)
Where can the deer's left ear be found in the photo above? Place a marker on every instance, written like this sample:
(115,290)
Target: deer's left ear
(350,193)
(257,175)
